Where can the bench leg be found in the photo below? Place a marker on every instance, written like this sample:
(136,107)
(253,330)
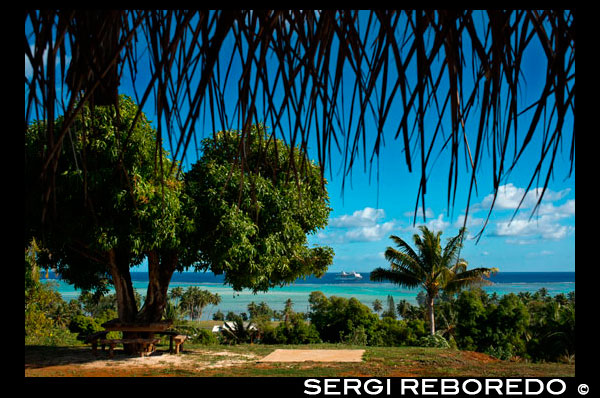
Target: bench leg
(170,344)
(111,351)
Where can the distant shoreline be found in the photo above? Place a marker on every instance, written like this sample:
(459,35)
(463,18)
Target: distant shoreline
(332,277)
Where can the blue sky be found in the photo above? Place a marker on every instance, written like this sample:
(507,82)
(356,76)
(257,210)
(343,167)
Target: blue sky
(368,213)
(370,210)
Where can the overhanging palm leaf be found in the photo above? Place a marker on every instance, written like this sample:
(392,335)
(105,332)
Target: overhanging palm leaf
(295,68)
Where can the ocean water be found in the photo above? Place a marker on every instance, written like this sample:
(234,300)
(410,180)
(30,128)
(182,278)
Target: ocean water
(330,284)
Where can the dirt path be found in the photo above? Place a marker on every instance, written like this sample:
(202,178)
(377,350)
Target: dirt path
(80,362)
(261,361)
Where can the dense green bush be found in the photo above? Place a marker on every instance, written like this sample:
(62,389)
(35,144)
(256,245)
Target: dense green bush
(205,337)
(293,331)
(391,332)
(84,326)
(337,318)
(536,327)
(46,313)
(436,340)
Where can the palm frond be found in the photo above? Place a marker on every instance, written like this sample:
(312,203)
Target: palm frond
(402,278)
(470,277)
(293,69)
(405,249)
(453,247)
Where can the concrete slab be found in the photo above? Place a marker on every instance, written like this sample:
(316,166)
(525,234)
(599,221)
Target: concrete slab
(281,355)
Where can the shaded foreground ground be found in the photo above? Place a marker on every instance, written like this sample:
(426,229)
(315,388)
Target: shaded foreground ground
(243,361)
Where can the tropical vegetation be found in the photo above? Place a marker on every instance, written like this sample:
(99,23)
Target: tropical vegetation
(430,266)
(103,195)
(217,217)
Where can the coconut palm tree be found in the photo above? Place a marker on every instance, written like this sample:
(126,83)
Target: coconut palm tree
(429,266)
(194,300)
(176,293)
(377,306)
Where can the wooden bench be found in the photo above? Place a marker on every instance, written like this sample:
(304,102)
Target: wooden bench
(174,336)
(179,340)
(148,345)
(93,339)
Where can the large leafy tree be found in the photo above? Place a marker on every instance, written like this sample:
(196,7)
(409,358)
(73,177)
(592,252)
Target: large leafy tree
(251,216)
(430,266)
(114,212)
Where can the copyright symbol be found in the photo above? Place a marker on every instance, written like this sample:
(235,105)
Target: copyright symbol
(583,389)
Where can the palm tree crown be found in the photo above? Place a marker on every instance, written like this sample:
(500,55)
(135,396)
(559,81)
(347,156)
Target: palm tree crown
(430,266)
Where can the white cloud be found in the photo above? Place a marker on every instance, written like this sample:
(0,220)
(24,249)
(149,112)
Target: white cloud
(29,67)
(545,227)
(360,218)
(472,222)
(437,224)
(371,233)
(361,226)
(547,223)
(509,197)
(565,210)
(428,213)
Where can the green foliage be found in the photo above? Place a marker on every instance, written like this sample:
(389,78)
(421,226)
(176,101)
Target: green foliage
(46,313)
(251,219)
(390,311)
(116,202)
(173,312)
(471,318)
(429,265)
(357,336)
(218,316)
(436,341)
(194,300)
(506,325)
(504,352)
(84,326)
(392,332)
(336,318)
(238,331)
(261,310)
(377,306)
(551,329)
(232,316)
(295,331)
(205,337)
(538,326)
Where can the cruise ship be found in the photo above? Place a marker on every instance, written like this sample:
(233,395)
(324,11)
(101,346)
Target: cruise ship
(349,276)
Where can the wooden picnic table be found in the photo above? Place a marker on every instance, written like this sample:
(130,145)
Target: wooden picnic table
(153,327)
(144,345)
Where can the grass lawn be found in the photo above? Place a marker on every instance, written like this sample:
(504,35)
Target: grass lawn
(242,361)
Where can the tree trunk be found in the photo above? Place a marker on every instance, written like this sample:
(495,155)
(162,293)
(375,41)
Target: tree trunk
(161,267)
(119,269)
(126,305)
(431,314)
